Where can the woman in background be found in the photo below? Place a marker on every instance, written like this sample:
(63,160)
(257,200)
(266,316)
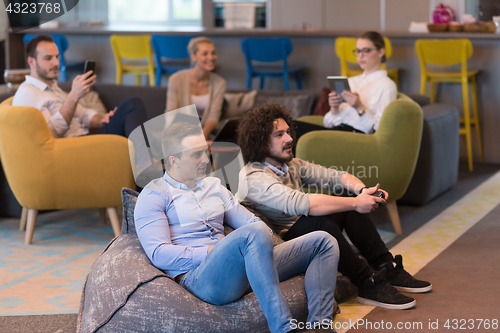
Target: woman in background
(370,92)
(198,85)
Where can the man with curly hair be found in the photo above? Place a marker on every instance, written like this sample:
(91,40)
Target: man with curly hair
(274,179)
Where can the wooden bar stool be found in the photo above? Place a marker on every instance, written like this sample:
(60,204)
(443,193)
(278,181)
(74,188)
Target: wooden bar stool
(444,53)
(344,47)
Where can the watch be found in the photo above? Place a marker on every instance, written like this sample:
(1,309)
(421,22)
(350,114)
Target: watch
(361,112)
(361,190)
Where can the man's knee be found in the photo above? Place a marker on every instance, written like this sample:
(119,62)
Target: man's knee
(325,241)
(259,232)
(133,102)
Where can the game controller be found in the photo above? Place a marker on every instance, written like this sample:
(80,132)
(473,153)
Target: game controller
(379,194)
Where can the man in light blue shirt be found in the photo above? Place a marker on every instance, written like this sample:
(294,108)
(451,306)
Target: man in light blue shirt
(179,220)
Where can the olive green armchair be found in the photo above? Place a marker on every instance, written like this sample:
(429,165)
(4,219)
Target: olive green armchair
(387,157)
(45,173)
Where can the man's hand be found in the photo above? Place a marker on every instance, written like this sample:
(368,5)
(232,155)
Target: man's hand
(334,100)
(81,85)
(366,203)
(352,99)
(210,248)
(107,116)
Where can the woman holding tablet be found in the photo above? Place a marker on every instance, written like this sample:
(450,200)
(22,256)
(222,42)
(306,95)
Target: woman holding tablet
(370,92)
(198,85)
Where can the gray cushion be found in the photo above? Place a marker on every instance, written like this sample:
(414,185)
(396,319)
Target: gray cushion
(421,100)
(298,104)
(238,103)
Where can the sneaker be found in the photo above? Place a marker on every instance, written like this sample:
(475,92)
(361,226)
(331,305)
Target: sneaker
(402,280)
(376,291)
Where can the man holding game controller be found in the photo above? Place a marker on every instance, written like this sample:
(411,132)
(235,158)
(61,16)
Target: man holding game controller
(272,182)
(63,112)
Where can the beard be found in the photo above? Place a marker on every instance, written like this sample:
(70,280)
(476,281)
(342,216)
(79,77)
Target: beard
(283,157)
(46,74)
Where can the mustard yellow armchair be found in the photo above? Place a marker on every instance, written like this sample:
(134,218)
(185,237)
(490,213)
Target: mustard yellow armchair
(47,173)
(387,157)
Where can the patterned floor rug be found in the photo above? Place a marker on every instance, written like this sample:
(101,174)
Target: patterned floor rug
(47,276)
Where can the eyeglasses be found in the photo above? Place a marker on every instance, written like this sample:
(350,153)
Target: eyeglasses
(365,51)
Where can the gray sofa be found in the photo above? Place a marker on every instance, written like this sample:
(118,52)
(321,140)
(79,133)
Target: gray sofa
(437,165)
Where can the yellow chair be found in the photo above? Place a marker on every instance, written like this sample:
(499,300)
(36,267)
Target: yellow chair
(445,53)
(133,49)
(344,47)
(46,173)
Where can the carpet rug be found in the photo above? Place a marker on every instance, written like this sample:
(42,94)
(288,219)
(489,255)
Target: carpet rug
(47,276)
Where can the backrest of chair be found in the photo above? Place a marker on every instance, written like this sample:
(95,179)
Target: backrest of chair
(171,47)
(61,41)
(131,47)
(343,49)
(266,49)
(447,52)
(26,146)
(399,135)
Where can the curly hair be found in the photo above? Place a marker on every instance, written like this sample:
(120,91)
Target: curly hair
(256,127)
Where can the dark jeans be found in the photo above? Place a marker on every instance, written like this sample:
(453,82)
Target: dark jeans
(130,114)
(361,232)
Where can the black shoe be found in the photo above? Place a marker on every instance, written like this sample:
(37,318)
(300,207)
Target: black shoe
(402,280)
(376,291)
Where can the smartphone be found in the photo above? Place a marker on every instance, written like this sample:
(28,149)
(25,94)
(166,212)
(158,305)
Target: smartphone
(338,84)
(89,66)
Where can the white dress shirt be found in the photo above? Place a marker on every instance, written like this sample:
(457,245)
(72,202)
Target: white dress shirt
(49,100)
(376,91)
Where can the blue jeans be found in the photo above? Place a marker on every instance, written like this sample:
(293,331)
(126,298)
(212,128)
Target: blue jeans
(246,258)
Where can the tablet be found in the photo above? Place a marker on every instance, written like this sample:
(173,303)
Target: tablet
(338,84)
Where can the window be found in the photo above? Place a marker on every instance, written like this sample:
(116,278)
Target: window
(155,12)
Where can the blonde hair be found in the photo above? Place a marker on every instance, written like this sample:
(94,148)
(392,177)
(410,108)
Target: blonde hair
(194,42)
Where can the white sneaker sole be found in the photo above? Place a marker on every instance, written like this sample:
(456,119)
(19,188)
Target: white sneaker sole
(371,302)
(414,290)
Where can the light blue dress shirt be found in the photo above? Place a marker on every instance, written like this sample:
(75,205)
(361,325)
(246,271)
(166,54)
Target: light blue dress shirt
(176,225)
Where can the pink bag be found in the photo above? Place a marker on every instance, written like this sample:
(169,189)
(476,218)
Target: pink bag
(443,14)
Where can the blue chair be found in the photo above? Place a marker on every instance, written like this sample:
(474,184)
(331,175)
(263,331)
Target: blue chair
(62,45)
(174,49)
(269,50)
